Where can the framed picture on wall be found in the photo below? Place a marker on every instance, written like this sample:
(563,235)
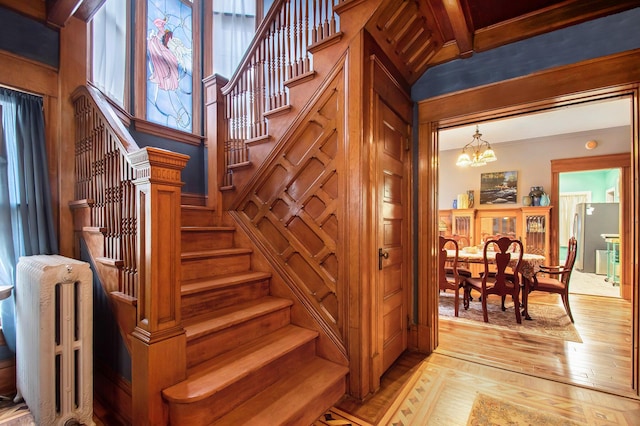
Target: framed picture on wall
(499,188)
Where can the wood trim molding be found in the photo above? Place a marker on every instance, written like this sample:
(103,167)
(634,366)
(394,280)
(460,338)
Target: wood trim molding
(139,62)
(600,78)
(535,92)
(167,132)
(27,75)
(590,163)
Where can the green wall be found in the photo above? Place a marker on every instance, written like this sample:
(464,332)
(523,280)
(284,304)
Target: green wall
(596,181)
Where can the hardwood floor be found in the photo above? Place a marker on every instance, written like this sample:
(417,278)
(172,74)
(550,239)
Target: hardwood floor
(588,382)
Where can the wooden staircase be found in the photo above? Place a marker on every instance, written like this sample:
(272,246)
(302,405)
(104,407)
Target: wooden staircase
(246,363)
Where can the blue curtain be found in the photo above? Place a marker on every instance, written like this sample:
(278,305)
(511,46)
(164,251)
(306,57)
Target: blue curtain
(26,213)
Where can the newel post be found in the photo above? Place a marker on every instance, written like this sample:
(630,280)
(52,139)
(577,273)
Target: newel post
(215,137)
(158,352)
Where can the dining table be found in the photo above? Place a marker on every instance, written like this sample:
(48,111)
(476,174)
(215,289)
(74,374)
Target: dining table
(530,265)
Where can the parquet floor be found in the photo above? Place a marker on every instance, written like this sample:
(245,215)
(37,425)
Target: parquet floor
(588,382)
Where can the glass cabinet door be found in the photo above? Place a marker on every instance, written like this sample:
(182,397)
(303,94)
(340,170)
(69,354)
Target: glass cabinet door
(463,223)
(536,235)
(444,223)
(495,227)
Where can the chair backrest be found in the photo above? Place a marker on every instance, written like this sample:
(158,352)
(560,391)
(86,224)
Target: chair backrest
(487,237)
(572,248)
(462,240)
(508,253)
(443,282)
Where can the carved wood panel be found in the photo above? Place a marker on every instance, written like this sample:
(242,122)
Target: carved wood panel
(294,204)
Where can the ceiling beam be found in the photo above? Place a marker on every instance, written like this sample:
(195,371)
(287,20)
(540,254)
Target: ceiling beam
(88,8)
(464,37)
(59,11)
(551,18)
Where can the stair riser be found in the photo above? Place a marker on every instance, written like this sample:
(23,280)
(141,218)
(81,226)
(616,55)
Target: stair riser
(206,240)
(308,415)
(215,266)
(223,401)
(199,303)
(222,341)
(195,217)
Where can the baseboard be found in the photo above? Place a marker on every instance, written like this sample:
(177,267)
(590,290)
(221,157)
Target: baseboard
(8,376)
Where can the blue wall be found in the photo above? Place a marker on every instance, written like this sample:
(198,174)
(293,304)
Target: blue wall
(605,36)
(108,347)
(193,173)
(28,38)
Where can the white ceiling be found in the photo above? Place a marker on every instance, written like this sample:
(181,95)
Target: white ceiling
(570,119)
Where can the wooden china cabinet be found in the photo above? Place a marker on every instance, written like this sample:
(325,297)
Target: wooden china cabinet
(529,224)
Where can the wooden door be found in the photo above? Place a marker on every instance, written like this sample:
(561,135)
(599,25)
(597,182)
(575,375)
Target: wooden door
(392,180)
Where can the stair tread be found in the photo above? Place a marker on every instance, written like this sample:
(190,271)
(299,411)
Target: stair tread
(214,252)
(200,284)
(194,207)
(292,393)
(190,228)
(232,315)
(209,377)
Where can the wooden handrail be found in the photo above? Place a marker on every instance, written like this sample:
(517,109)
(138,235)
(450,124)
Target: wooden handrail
(109,165)
(279,53)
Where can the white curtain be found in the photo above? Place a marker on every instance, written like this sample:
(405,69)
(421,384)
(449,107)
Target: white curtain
(109,49)
(567,210)
(234,25)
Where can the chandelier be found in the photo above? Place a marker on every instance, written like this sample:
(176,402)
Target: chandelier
(476,153)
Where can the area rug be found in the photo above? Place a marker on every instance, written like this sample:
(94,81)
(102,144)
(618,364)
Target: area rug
(488,410)
(548,320)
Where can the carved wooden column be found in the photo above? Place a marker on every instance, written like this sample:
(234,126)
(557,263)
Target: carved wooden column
(159,341)
(215,136)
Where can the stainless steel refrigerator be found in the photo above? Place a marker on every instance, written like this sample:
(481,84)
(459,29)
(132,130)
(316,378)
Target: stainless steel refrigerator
(590,222)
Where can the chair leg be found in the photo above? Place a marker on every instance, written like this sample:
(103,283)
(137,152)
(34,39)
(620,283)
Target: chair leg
(565,301)
(516,305)
(504,308)
(456,300)
(465,302)
(484,308)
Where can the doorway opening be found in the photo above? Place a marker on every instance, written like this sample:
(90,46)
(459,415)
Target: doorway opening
(589,209)
(447,165)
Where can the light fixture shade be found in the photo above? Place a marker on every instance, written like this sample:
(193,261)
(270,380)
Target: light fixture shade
(463,160)
(482,152)
(488,155)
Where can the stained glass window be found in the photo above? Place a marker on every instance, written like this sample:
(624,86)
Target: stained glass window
(170,63)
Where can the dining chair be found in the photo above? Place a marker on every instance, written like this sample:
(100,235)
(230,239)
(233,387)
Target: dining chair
(499,281)
(555,279)
(452,281)
(463,267)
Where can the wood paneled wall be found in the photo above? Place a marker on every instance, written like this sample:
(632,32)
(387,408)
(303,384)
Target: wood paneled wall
(294,204)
